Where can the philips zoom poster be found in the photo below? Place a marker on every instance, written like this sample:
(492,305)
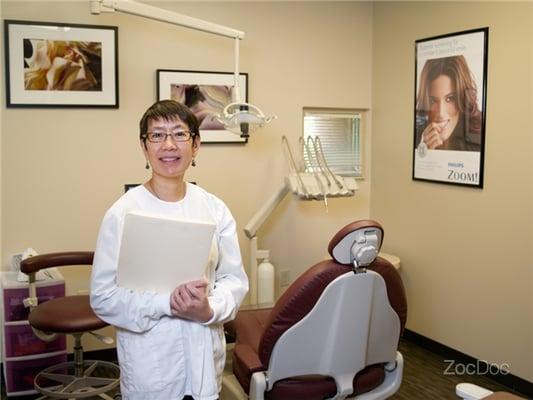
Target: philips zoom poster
(450,103)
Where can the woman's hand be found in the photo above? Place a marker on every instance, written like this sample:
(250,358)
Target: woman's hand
(189,301)
(431,136)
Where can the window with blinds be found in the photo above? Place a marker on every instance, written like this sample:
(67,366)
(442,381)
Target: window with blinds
(340,135)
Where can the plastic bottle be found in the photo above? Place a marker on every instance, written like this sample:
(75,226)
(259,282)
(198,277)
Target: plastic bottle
(265,282)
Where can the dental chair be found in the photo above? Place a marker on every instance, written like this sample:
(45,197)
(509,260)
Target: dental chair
(333,334)
(71,315)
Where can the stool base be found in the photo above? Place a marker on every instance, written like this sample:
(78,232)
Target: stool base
(61,381)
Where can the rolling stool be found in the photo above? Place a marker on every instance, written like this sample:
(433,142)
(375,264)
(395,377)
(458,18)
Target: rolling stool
(71,315)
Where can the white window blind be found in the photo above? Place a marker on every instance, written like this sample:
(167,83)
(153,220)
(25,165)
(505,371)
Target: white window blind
(340,135)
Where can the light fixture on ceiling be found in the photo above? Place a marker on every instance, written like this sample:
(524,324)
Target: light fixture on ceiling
(238,117)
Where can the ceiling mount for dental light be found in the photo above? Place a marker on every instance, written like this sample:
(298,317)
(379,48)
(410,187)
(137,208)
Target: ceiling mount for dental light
(238,117)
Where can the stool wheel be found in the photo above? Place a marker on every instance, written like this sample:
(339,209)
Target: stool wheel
(60,381)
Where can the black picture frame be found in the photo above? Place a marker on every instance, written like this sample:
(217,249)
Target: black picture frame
(83,72)
(449,124)
(193,87)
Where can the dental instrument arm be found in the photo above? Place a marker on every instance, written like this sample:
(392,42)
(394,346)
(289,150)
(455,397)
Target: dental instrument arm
(251,229)
(264,212)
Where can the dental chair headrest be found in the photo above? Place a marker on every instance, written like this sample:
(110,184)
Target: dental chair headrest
(358,242)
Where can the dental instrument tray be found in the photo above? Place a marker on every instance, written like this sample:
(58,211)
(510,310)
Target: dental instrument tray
(314,180)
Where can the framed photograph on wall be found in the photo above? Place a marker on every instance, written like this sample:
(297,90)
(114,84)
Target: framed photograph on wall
(60,65)
(450,108)
(206,94)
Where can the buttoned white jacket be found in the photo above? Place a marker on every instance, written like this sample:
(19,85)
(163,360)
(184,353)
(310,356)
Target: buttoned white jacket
(161,356)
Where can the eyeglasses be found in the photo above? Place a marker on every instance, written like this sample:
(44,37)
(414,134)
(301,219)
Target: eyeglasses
(159,137)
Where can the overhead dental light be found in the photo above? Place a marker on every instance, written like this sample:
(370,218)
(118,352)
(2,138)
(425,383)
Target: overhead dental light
(238,117)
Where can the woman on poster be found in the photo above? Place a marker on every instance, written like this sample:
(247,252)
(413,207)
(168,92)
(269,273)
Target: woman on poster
(447,112)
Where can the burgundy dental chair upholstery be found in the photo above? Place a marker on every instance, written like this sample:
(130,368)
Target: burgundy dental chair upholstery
(334,332)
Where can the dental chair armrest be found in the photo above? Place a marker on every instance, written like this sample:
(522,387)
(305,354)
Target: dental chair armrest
(42,261)
(252,326)
(32,265)
(248,356)
(245,364)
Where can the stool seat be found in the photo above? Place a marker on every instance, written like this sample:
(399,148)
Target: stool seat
(70,314)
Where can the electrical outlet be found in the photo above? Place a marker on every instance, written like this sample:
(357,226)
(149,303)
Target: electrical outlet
(284,277)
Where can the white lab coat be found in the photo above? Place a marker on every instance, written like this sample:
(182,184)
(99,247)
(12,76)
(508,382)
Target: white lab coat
(161,356)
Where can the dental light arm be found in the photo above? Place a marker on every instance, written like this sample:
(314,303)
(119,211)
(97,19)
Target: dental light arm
(158,14)
(238,117)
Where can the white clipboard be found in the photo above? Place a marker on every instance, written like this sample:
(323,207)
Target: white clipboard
(158,253)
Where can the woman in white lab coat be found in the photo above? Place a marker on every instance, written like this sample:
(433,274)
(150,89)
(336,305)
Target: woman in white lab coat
(170,345)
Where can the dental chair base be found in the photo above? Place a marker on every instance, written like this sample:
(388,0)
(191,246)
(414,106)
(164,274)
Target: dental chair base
(390,385)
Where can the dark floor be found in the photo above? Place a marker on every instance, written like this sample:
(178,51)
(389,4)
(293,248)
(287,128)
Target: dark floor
(424,377)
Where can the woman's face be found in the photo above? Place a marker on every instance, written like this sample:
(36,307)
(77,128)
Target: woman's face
(169,159)
(443,108)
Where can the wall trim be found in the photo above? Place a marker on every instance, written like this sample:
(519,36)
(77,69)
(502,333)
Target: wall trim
(513,382)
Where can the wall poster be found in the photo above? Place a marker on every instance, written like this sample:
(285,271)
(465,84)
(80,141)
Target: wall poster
(206,93)
(450,108)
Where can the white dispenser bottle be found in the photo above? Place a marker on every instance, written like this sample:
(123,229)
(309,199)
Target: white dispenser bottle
(265,279)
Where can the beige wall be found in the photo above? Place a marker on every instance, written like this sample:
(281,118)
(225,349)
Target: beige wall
(62,168)
(466,253)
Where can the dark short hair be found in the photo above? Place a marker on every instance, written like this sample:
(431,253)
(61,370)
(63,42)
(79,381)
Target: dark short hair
(168,110)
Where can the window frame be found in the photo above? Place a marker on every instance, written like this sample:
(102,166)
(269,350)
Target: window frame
(362,114)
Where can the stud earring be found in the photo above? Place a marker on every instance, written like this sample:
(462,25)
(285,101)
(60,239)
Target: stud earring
(193,163)
(147,165)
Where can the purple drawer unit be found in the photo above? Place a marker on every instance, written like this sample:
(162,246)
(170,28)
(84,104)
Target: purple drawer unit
(21,341)
(20,374)
(14,309)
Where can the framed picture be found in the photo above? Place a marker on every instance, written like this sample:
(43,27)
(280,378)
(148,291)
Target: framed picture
(450,108)
(60,65)
(206,94)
